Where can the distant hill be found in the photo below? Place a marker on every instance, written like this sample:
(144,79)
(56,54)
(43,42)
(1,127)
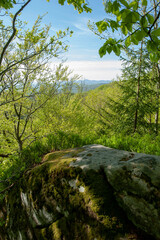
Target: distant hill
(86,85)
(93,82)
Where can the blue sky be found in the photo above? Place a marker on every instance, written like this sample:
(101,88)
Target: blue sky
(83,55)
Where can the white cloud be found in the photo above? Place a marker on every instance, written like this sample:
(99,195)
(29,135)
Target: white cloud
(95,70)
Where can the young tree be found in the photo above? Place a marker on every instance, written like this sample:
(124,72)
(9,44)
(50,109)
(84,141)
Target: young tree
(12,36)
(30,44)
(25,85)
(60,112)
(136,107)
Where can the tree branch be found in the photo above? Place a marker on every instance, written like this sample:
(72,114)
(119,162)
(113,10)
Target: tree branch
(14,31)
(26,58)
(155,20)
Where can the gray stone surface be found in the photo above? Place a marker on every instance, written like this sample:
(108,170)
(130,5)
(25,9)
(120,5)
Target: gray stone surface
(135,178)
(94,156)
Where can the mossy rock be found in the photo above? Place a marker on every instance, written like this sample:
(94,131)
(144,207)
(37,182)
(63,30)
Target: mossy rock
(56,201)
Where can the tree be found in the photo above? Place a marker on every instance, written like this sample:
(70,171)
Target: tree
(130,23)
(136,107)
(10,34)
(28,85)
(60,113)
(98,107)
(29,44)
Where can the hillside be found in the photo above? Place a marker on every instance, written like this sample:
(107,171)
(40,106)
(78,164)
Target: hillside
(86,85)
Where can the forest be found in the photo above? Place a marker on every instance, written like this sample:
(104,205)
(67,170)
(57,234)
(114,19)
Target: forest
(39,113)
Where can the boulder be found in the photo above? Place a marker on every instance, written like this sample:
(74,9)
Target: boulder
(90,193)
(137,187)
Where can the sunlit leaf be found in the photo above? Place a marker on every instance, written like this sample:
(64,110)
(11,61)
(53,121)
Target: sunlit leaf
(128,41)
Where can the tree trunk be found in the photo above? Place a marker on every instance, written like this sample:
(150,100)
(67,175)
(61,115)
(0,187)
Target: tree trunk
(20,144)
(157,77)
(138,89)
(157,100)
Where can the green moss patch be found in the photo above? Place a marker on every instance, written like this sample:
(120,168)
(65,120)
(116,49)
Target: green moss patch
(80,205)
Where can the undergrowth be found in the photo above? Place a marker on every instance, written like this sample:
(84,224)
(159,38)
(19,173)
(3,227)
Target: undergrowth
(11,168)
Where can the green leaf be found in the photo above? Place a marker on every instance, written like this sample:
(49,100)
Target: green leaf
(156,32)
(109,48)
(151,46)
(136,16)
(113,25)
(124,2)
(61,2)
(108,7)
(129,27)
(154,57)
(98,23)
(116,7)
(116,50)
(134,5)
(144,3)
(128,42)
(150,18)
(132,17)
(140,34)
(124,30)
(155,39)
(103,26)
(124,13)
(102,51)
(144,22)
(119,17)
(134,39)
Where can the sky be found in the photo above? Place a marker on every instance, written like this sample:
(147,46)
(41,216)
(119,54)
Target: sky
(82,55)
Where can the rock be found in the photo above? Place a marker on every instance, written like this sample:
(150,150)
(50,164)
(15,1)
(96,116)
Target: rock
(136,183)
(71,195)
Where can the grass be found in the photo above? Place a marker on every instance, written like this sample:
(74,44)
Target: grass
(12,168)
(149,144)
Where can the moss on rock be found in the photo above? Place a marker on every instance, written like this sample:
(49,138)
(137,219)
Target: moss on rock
(56,201)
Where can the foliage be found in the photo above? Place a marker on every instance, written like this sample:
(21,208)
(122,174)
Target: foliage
(130,22)
(7,3)
(79,5)
(26,87)
(135,108)
(41,114)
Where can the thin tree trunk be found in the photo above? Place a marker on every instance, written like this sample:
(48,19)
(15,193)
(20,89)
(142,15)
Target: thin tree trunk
(138,90)
(158,79)
(157,100)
